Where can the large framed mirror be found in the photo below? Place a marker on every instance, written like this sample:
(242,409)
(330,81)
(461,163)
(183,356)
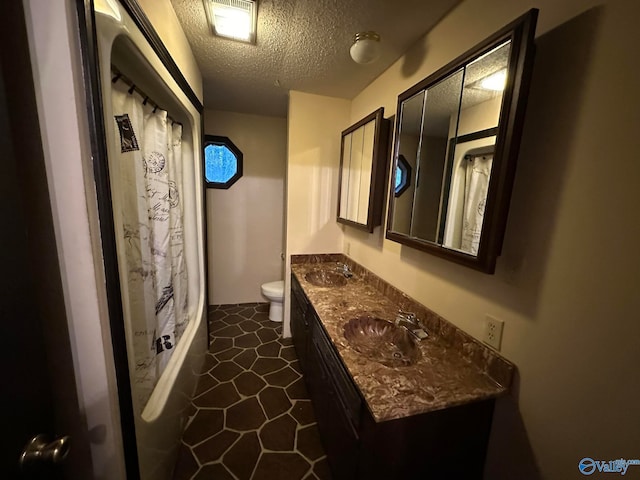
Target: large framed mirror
(363,166)
(458,131)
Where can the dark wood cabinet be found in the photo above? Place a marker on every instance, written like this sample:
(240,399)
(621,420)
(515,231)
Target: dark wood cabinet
(336,403)
(445,444)
(299,324)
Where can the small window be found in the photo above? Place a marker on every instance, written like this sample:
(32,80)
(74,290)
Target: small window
(222,162)
(403,176)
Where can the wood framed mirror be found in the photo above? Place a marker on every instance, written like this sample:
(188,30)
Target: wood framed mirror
(459,131)
(364,157)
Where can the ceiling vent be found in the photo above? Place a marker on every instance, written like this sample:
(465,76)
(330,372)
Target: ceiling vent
(234,19)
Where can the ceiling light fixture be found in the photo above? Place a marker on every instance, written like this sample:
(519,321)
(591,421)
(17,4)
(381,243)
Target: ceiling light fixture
(365,48)
(234,19)
(496,81)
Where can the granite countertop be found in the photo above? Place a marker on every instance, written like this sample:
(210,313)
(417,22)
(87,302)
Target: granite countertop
(454,368)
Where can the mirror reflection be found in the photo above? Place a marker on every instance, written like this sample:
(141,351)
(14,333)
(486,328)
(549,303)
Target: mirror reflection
(440,111)
(447,135)
(471,159)
(408,143)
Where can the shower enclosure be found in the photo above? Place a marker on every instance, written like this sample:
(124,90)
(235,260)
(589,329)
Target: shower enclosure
(151,213)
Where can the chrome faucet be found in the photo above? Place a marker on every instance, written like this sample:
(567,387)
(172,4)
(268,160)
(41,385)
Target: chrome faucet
(410,322)
(407,319)
(344,269)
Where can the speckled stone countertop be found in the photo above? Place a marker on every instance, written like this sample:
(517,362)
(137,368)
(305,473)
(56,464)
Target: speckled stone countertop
(454,369)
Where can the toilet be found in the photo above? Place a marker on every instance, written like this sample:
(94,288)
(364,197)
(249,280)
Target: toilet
(274,291)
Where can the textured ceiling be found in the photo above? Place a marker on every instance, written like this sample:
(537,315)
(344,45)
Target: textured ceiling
(302,45)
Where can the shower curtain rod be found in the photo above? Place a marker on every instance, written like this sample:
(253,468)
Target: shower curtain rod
(133,88)
(480,151)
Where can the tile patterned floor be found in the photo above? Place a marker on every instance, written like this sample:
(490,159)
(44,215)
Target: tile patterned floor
(251,415)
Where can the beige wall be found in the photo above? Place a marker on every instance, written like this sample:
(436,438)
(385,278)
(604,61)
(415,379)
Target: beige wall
(165,22)
(245,222)
(315,124)
(566,283)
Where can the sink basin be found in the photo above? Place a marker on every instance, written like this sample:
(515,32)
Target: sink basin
(325,278)
(381,341)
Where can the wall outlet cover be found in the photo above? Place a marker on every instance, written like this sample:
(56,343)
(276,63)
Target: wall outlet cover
(493,332)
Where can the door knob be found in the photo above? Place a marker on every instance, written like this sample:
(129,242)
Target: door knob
(41,451)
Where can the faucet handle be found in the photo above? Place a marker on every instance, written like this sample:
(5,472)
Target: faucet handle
(344,269)
(414,326)
(407,315)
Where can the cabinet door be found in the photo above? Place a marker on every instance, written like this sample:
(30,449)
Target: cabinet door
(339,438)
(299,331)
(363,170)
(299,323)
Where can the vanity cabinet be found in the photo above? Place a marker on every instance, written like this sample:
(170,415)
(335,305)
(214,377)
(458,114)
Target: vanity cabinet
(336,403)
(445,444)
(299,323)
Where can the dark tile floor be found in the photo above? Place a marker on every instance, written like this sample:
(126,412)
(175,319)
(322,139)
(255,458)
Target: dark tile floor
(251,415)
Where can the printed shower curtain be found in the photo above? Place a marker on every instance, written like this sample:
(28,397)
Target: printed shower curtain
(149,170)
(477,174)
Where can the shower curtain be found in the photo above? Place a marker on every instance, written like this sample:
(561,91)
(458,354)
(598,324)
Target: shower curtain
(149,170)
(477,174)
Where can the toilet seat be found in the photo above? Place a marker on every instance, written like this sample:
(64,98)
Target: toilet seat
(274,289)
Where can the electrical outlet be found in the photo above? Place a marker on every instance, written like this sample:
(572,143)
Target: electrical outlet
(493,331)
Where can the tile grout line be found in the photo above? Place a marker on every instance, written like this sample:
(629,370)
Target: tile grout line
(253,324)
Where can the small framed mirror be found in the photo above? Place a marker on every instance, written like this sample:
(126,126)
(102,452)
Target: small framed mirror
(363,167)
(458,131)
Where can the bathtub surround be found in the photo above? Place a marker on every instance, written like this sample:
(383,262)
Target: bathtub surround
(245,223)
(250,415)
(142,255)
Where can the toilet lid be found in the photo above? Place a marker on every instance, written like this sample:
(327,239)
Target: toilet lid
(275,289)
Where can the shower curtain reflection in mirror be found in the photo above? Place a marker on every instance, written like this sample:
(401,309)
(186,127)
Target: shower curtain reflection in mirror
(477,173)
(150,178)
(471,164)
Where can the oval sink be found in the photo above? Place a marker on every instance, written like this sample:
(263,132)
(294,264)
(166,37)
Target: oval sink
(324,278)
(381,341)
